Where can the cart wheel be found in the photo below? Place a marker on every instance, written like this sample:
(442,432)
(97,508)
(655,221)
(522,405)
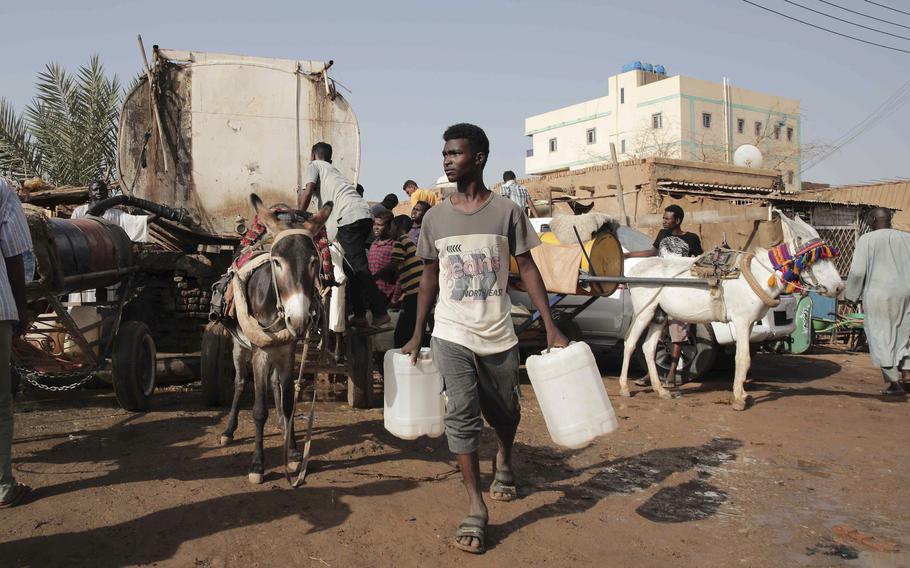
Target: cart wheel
(133,366)
(360,363)
(216,365)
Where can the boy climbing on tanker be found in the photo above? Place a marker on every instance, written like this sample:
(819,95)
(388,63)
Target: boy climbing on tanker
(351,224)
(466,242)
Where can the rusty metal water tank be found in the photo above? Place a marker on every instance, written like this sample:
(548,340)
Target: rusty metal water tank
(92,252)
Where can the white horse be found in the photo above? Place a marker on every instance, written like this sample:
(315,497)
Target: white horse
(734,302)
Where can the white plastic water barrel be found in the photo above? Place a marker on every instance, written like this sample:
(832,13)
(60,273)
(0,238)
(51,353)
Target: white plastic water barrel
(414,404)
(571,395)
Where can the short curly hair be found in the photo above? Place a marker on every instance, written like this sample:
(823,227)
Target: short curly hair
(470,132)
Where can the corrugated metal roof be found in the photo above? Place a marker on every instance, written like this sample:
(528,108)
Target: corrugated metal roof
(895,195)
(788,198)
(713,186)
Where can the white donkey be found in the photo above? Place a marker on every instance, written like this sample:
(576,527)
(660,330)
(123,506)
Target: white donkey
(736,301)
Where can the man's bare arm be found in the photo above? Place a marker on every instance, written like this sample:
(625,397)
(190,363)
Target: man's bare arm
(304,196)
(15,271)
(641,253)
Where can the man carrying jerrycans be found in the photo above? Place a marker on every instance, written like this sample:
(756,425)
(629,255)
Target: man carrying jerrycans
(466,243)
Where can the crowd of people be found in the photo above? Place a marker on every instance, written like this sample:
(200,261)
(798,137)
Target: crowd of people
(444,268)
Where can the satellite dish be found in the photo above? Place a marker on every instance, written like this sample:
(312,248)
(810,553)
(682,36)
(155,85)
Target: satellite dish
(747,156)
(443,180)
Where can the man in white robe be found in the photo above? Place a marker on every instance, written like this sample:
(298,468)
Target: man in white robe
(880,277)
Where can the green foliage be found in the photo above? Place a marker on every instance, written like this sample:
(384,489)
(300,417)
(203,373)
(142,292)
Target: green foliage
(68,133)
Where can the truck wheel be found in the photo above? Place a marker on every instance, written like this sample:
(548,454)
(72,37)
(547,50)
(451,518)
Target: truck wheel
(133,366)
(216,365)
(697,358)
(360,363)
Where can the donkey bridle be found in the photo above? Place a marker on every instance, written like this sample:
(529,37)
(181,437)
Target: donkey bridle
(279,305)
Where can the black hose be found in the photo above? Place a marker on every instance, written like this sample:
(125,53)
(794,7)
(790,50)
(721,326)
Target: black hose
(169,213)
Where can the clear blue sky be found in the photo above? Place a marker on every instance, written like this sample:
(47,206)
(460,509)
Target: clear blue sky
(417,66)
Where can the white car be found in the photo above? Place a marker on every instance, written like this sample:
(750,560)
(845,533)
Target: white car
(605,322)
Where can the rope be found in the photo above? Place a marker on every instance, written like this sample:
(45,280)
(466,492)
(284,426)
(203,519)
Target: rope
(297,127)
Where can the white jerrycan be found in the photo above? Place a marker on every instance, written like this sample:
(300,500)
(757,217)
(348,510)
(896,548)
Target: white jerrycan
(414,405)
(571,394)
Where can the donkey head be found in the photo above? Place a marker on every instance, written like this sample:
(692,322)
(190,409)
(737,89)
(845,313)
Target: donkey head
(294,264)
(822,274)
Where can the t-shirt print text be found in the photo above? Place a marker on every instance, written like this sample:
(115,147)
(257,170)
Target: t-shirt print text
(472,274)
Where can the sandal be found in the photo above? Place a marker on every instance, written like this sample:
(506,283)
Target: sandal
(504,484)
(17,495)
(472,526)
(645,382)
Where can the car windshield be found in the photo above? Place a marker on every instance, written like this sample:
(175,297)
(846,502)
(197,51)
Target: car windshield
(629,238)
(632,240)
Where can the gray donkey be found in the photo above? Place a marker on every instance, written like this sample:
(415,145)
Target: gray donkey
(274,299)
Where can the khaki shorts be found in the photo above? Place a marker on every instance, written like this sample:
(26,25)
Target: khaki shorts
(679,331)
(476,388)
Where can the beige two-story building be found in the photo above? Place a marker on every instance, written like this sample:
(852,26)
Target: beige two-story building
(648,113)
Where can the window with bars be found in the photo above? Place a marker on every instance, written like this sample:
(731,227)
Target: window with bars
(758,128)
(552,144)
(706,119)
(844,239)
(740,126)
(591,135)
(789,134)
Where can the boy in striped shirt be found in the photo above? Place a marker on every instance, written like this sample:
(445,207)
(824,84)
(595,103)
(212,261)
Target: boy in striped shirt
(410,268)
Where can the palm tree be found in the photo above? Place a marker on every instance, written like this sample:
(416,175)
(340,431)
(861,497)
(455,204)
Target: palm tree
(68,133)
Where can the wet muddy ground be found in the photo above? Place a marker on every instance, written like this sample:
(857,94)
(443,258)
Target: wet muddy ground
(814,473)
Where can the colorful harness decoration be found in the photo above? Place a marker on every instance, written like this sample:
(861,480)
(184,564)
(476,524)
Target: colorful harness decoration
(791,266)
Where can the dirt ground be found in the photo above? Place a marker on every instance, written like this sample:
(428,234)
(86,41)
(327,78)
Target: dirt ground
(814,473)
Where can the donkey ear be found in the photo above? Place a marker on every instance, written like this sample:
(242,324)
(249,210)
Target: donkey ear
(265,215)
(317,221)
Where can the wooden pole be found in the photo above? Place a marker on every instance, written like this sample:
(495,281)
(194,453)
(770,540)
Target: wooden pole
(153,101)
(623,218)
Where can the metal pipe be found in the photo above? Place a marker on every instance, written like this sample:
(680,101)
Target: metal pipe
(178,216)
(78,279)
(638,280)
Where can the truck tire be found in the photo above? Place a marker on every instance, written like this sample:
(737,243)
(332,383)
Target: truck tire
(216,365)
(133,366)
(360,376)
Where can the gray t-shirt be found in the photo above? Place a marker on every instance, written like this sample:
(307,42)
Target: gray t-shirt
(474,250)
(349,206)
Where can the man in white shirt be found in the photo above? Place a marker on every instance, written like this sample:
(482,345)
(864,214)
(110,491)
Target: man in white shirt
(136,226)
(15,241)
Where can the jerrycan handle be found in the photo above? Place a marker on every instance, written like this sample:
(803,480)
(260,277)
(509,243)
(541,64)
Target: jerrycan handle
(557,349)
(425,354)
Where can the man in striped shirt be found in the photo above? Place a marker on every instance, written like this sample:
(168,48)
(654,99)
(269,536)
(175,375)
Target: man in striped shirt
(410,268)
(517,193)
(15,241)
